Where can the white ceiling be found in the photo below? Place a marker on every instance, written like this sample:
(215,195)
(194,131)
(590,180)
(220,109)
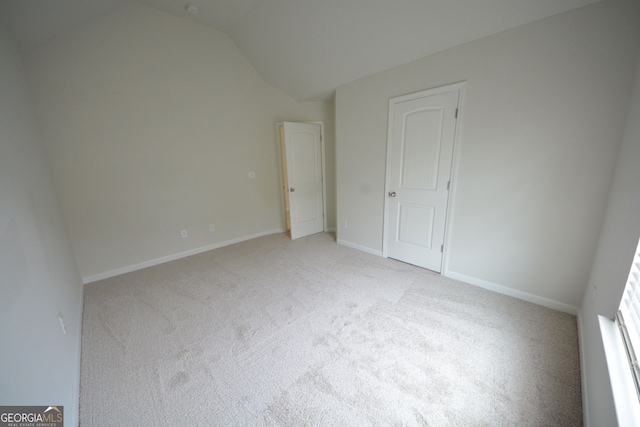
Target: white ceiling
(307,48)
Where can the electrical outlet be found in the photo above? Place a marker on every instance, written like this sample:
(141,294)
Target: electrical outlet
(62,324)
(211,227)
(183,233)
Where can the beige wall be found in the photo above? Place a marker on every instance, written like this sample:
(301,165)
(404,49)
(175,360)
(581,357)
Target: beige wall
(152,124)
(542,121)
(39,363)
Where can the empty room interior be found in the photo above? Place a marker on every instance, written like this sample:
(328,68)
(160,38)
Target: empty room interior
(219,212)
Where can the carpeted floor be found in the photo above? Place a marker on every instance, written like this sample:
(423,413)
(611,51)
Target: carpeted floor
(289,333)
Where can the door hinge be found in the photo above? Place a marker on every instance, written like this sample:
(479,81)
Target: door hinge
(456,113)
(441,248)
(448,185)
(321,133)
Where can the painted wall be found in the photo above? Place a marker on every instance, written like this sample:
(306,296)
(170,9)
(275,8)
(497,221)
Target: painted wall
(39,364)
(542,121)
(152,123)
(617,245)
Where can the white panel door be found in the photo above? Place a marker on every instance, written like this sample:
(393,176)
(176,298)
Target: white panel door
(420,155)
(303,149)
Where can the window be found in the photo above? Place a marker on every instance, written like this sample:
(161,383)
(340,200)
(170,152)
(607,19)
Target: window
(628,318)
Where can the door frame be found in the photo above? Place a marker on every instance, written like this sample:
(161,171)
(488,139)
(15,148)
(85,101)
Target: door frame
(284,194)
(459,87)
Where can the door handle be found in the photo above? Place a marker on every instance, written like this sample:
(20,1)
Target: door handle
(292,190)
(392,194)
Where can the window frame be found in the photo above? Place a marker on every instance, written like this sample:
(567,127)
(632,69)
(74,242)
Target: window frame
(627,319)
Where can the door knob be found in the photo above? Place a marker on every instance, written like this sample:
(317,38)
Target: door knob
(392,194)
(292,190)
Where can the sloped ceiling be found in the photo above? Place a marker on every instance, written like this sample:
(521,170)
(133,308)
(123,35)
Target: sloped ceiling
(307,48)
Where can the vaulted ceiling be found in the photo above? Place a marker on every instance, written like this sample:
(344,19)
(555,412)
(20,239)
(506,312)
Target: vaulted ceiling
(307,48)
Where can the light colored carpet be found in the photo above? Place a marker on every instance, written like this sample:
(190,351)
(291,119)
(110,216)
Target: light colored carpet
(279,332)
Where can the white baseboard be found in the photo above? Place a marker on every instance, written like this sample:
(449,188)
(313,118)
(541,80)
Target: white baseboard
(545,302)
(173,257)
(504,290)
(359,247)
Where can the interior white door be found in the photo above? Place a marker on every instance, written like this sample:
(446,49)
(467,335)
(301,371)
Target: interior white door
(421,138)
(303,149)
